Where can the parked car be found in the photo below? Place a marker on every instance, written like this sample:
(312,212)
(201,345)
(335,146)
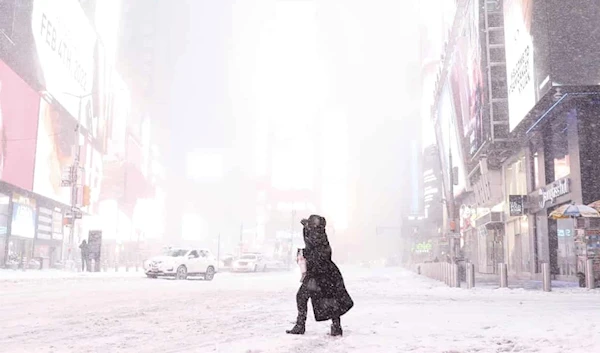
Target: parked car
(181,263)
(250,262)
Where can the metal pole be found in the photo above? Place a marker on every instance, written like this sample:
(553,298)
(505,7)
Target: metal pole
(546,280)
(241,237)
(589,274)
(219,250)
(451,206)
(447,273)
(291,254)
(503,275)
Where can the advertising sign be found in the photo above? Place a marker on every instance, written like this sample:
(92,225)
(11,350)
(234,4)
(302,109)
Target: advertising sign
(516,204)
(447,137)
(95,244)
(65,41)
(467,82)
(44,224)
(23,219)
(18,129)
(55,152)
(519,59)
(550,193)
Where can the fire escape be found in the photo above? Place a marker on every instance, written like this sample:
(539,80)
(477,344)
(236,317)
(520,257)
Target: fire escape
(486,176)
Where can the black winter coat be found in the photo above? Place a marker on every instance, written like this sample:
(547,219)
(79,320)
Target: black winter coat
(323,278)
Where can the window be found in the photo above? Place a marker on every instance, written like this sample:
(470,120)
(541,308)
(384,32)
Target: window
(536,171)
(7,9)
(562,167)
(194,254)
(4,201)
(556,151)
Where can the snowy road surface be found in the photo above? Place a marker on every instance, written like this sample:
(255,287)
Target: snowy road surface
(395,311)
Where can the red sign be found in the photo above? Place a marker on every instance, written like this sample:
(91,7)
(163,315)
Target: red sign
(19,105)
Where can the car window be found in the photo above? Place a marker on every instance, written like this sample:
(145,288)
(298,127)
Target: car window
(194,253)
(203,253)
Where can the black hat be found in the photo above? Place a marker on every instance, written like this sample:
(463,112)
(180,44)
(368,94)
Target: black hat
(317,221)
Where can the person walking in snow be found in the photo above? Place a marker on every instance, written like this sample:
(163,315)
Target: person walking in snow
(84,255)
(323,282)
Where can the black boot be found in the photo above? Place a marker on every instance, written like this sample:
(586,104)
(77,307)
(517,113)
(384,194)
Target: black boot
(298,329)
(336,327)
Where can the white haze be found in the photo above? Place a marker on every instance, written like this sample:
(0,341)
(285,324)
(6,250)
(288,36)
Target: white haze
(337,79)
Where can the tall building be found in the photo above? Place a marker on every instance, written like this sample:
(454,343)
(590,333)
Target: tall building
(514,101)
(152,36)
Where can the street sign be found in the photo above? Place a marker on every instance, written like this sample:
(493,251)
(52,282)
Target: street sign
(74,213)
(69,176)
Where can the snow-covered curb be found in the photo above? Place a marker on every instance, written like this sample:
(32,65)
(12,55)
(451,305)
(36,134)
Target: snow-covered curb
(20,275)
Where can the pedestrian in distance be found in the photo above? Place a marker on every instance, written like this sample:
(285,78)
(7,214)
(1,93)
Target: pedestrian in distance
(322,283)
(84,255)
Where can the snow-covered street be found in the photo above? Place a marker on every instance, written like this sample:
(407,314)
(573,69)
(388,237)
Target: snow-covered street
(395,311)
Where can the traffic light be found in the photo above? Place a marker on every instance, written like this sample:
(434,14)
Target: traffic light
(86,196)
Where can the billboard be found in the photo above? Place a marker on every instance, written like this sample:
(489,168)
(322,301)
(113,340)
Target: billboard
(65,43)
(522,92)
(23,218)
(466,79)
(19,106)
(54,153)
(447,137)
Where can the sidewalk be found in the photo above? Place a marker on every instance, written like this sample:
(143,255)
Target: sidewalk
(493,281)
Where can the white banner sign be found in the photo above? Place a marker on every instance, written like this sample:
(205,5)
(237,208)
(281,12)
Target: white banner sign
(65,41)
(519,59)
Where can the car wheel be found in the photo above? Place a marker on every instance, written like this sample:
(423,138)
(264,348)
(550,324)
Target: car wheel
(255,268)
(210,273)
(181,272)
(152,276)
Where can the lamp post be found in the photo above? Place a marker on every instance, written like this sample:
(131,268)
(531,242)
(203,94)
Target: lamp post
(72,180)
(292,238)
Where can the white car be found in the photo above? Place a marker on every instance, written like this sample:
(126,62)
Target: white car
(181,263)
(250,262)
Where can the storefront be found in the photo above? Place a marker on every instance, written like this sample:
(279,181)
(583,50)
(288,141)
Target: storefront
(4,216)
(468,234)
(558,178)
(31,231)
(490,239)
(554,243)
(22,231)
(517,240)
(49,235)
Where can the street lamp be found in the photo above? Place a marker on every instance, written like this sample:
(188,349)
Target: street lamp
(73,177)
(292,238)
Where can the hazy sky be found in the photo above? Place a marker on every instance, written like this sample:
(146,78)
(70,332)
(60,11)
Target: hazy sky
(344,68)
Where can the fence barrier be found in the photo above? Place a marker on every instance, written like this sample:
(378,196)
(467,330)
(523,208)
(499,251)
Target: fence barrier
(441,271)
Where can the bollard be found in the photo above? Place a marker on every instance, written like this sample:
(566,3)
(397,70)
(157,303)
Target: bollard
(589,274)
(503,269)
(546,280)
(455,276)
(446,273)
(470,275)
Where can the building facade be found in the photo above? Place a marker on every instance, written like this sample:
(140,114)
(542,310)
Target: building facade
(62,110)
(533,112)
